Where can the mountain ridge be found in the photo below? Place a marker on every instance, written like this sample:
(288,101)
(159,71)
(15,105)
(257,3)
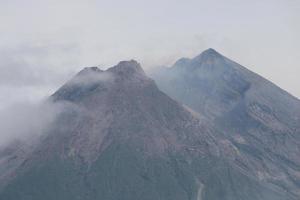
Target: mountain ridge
(212,53)
(260,118)
(123,138)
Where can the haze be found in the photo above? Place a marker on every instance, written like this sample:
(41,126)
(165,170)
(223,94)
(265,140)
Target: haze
(43,43)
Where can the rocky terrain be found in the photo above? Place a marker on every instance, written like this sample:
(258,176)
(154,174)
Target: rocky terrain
(120,137)
(259,118)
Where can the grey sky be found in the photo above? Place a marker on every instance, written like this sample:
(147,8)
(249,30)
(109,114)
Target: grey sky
(43,43)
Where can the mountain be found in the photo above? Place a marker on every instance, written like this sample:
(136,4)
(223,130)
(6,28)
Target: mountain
(259,118)
(120,137)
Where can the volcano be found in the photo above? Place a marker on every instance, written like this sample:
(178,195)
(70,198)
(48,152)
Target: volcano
(121,138)
(259,118)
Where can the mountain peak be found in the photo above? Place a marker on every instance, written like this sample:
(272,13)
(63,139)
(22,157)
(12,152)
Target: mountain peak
(127,67)
(95,69)
(208,57)
(208,54)
(128,71)
(89,70)
(210,51)
(87,80)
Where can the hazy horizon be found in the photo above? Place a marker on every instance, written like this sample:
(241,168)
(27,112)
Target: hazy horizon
(80,119)
(44,43)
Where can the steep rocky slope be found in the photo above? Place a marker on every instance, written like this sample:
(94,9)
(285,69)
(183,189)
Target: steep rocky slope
(259,118)
(123,138)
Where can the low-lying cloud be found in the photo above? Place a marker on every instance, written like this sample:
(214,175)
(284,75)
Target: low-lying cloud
(25,121)
(92,76)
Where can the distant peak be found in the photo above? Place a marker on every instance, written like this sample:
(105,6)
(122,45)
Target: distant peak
(210,51)
(208,54)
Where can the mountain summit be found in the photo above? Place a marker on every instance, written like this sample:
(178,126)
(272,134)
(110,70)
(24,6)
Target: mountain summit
(122,138)
(208,54)
(128,67)
(261,119)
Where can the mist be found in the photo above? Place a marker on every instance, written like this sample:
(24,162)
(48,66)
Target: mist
(44,44)
(92,76)
(26,121)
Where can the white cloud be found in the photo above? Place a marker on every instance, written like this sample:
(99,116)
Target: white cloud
(26,121)
(91,78)
(44,43)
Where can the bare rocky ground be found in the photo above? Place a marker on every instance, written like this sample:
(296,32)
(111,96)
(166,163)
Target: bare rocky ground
(122,138)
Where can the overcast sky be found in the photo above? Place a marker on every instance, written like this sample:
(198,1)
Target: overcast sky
(44,42)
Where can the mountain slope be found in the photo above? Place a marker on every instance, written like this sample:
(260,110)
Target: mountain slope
(262,120)
(122,138)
